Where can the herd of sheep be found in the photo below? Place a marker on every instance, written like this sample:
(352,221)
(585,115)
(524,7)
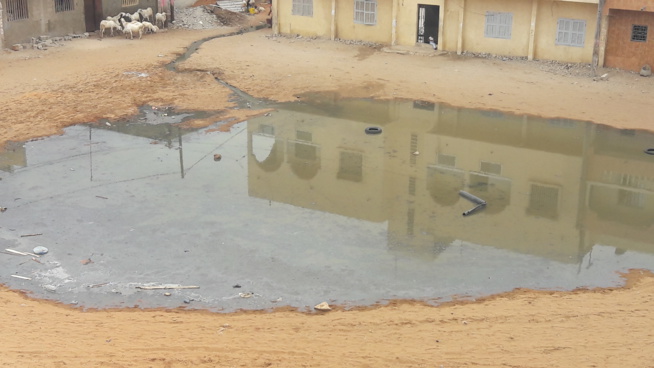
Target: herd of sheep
(139,22)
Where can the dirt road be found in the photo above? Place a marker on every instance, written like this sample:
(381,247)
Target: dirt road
(89,79)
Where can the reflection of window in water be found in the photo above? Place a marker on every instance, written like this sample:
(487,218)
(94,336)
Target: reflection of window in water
(303,136)
(350,166)
(424,105)
(447,160)
(267,129)
(490,168)
(412,185)
(410,221)
(631,199)
(544,201)
(414,148)
(305,151)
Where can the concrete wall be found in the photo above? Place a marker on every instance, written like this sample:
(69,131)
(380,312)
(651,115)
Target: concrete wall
(348,30)
(620,51)
(111,8)
(549,12)
(2,30)
(319,25)
(43,20)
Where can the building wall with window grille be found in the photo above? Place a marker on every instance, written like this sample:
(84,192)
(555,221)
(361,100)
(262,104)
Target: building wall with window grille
(462,25)
(622,49)
(24,19)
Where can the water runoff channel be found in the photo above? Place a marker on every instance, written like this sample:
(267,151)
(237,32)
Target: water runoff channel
(303,206)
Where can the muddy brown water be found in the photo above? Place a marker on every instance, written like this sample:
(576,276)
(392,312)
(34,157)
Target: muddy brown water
(304,206)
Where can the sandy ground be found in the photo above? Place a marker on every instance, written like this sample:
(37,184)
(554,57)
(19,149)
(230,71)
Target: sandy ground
(88,79)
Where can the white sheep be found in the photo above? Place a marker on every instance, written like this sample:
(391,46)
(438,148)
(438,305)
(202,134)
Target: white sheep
(136,16)
(111,24)
(131,28)
(149,27)
(160,17)
(146,13)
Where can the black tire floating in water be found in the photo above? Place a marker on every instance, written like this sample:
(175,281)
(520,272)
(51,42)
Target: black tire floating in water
(373,130)
(650,151)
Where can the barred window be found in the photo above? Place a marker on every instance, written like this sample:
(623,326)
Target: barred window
(365,12)
(303,7)
(639,33)
(64,5)
(127,3)
(571,32)
(16,10)
(498,25)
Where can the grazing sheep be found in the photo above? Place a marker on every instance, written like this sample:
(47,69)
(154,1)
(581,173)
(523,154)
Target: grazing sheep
(160,17)
(111,24)
(131,28)
(149,27)
(146,13)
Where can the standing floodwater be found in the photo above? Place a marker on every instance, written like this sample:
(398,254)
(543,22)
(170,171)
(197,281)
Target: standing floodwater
(305,207)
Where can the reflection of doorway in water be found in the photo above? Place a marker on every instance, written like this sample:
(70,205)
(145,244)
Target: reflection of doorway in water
(428,16)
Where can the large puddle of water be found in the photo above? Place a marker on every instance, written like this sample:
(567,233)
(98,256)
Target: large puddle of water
(305,207)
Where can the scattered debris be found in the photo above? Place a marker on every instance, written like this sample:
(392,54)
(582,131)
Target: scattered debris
(137,74)
(168,286)
(21,253)
(217,157)
(28,235)
(101,197)
(86,261)
(323,307)
(237,286)
(3,209)
(603,77)
(245,295)
(167,294)
(21,277)
(646,71)
(50,288)
(40,250)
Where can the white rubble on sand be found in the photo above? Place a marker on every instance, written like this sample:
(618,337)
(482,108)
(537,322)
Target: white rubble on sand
(198,17)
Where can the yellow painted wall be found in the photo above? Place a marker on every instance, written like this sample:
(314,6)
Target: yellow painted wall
(549,12)
(475,20)
(348,30)
(317,26)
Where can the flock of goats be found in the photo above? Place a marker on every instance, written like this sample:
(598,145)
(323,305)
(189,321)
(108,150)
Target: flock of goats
(139,22)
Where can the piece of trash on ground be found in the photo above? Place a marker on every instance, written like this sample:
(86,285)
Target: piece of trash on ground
(322,307)
(167,286)
(21,277)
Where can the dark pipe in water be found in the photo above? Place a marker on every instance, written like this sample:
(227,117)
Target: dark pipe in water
(471,198)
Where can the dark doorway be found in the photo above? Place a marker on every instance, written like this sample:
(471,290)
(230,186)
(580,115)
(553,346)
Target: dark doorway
(92,14)
(428,22)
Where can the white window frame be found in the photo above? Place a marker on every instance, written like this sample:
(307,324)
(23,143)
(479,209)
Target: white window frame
(303,8)
(571,32)
(498,25)
(365,12)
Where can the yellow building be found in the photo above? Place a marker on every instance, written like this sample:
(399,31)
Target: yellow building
(535,29)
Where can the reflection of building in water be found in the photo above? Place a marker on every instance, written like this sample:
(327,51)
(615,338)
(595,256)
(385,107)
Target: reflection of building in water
(12,156)
(620,190)
(554,187)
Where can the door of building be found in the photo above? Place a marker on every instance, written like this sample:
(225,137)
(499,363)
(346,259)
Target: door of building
(428,16)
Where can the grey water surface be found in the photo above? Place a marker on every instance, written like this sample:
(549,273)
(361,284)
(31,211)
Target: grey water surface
(304,206)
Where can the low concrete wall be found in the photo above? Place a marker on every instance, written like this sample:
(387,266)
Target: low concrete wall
(44,20)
